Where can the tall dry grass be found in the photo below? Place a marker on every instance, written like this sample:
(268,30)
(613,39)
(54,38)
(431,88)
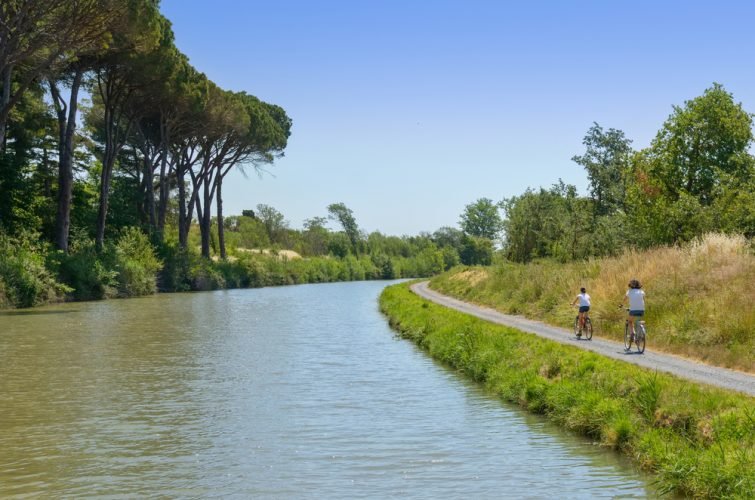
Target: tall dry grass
(700,297)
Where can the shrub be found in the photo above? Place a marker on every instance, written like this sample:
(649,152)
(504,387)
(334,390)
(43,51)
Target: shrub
(175,275)
(136,264)
(205,276)
(89,274)
(25,281)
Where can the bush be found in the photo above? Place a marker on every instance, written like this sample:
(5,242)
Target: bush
(205,276)
(136,264)
(89,274)
(175,275)
(25,280)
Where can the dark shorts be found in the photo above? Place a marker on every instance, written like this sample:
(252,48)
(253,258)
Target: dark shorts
(637,313)
(584,309)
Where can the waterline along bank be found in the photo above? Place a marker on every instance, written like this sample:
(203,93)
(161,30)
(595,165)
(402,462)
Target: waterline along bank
(698,440)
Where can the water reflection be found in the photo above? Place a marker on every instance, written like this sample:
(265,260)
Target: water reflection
(297,392)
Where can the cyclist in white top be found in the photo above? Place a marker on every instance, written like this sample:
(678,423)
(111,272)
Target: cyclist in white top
(584,306)
(635,296)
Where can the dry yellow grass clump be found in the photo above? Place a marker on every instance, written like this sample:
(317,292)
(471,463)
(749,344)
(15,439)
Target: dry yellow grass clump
(700,297)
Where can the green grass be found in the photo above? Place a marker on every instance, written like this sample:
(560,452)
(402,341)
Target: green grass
(699,440)
(699,297)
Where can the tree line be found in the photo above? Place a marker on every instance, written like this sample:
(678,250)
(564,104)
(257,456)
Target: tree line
(697,176)
(158,135)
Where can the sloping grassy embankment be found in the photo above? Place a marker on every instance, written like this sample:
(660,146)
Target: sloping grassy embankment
(700,297)
(700,441)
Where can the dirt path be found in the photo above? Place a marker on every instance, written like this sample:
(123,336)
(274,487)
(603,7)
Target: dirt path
(684,368)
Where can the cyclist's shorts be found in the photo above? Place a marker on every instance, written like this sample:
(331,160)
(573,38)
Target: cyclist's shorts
(637,313)
(584,309)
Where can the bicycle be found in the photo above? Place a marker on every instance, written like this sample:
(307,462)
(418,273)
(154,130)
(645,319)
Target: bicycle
(587,329)
(638,336)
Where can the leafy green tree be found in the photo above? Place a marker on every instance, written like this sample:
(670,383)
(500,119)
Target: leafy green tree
(316,236)
(606,160)
(481,219)
(136,34)
(262,139)
(700,155)
(339,245)
(39,38)
(734,206)
(448,237)
(706,138)
(26,166)
(274,221)
(476,251)
(549,223)
(345,216)
(250,231)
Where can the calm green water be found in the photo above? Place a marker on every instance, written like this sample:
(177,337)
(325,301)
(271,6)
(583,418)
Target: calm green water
(291,392)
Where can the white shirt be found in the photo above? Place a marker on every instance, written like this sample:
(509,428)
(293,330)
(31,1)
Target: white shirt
(584,300)
(636,299)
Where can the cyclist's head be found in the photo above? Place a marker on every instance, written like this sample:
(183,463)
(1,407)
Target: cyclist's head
(635,284)
(582,290)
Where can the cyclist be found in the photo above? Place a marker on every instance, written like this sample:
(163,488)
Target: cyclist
(636,298)
(584,306)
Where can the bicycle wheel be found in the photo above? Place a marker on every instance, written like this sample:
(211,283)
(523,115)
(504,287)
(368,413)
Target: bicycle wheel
(576,326)
(627,337)
(588,328)
(640,340)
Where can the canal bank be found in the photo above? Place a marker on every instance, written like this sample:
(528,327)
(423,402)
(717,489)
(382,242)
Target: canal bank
(698,440)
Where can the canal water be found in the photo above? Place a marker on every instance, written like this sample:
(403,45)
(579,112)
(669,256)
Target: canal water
(289,392)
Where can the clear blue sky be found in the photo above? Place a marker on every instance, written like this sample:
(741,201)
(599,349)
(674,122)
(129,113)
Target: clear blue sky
(407,111)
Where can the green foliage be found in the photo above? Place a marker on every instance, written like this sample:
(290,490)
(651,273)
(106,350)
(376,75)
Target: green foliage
(136,264)
(553,223)
(273,221)
(707,137)
(699,441)
(476,251)
(606,160)
(90,274)
(25,281)
(345,217)
(176,271)
(481,219)
(696,177)
(339,245)
(246,232)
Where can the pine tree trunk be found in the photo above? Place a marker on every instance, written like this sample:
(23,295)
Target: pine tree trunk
(67,127)
(221,230)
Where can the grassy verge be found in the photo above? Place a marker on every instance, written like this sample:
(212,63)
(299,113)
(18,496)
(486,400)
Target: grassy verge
(699,297)
(699,440)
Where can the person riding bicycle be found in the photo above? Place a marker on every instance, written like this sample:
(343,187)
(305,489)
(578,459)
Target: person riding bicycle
(584,306)
(636,298)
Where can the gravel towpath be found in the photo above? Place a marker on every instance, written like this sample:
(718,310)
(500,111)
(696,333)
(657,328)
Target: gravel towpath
(681,367)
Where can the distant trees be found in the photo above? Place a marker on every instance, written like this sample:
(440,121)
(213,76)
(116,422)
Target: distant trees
(274,221)
(697,176)
(481,219)
(345,217)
